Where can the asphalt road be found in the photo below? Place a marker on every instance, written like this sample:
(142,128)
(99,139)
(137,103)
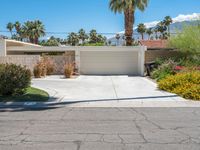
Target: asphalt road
(64,128)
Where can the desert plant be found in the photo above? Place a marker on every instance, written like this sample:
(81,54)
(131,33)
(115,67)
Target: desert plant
(40,70)
(49,65)
(187,41)
(186,84)
(37,71)
(69,70)
(167,68)
(14,79)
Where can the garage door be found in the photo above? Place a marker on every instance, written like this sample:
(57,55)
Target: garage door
(109,63)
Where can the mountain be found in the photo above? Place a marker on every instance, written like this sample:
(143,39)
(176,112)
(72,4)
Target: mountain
(174,27)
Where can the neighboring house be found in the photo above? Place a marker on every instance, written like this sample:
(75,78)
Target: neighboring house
(154,44)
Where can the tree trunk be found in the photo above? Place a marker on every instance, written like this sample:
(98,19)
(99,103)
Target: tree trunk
(36,40)
(142,36)
(169,30)
(129,21)
(31,40)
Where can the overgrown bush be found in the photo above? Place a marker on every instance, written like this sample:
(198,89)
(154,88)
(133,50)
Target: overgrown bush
(49,64)
(186,84)
(187,41)
(164,70)
(14,79)
(43,68)
(37,71)
(69,70)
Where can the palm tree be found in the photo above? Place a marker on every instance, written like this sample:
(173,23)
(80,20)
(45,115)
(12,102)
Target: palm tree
(82,35)
(167,21)
(128,7)
(73,39)
(93,36)
(10,27)
(17,26)
(149,32)
(141,29)
(33,30)
(39,30)
(162,29)
(156,32)
(117,36)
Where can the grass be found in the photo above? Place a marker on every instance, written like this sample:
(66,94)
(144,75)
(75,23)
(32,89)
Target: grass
(32,94)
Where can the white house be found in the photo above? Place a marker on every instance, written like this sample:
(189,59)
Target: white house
(101,60)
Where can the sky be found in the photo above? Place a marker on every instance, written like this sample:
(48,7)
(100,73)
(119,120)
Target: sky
(71,15)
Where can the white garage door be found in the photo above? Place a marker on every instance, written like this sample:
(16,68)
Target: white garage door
(109,63)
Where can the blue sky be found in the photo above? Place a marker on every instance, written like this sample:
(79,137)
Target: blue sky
(71,15)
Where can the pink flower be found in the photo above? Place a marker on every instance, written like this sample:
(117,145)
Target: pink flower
(179,68)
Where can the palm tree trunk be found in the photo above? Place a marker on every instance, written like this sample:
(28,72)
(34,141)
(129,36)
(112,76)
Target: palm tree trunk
(36,40)
(169,30)
(129,21)
(142,36)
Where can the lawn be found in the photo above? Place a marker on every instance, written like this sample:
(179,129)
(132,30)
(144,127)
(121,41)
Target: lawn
(32,94)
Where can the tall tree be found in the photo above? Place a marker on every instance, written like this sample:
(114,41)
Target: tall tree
(141,29)
(117,36)
(93,36)
(128,7)
(156,31)
(52,41)
(73,39)
(10,27)
(17,26)
(162,29)
(82,35)
(167,21)
(33,30)
(149,32)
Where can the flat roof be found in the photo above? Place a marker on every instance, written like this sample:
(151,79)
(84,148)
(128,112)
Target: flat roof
(76,48)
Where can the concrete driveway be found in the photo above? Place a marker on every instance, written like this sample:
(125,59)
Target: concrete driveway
(104,89)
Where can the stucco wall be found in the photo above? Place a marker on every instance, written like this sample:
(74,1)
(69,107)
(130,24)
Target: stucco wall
(25,60)
(2,47)
(60,61)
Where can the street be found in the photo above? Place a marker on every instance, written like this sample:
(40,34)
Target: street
(68,128)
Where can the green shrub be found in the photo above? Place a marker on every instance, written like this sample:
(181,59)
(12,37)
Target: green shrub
(187,41)
(186,84)
(164,70)
(14,79)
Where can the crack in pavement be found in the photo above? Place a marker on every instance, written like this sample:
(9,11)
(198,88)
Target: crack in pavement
(147,119)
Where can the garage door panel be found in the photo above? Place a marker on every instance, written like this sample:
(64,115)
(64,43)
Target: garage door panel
(109,62)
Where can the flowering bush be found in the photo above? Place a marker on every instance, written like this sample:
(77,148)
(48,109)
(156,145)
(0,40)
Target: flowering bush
(186,84)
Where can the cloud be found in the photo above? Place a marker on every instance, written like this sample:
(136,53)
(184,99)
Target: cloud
(179,18)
